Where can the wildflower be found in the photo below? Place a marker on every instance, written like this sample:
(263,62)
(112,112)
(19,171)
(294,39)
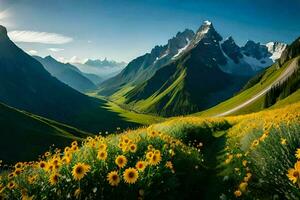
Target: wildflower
(121,161)
(113,178)
(294,173)
(243,186)
(77,193)
(47,154)
(18,165)
(140,165)
(102,147)
(11,185)
(298,153)
(53,179)
(80,170)
(132,148)
(155,159)
(169,165)
(244,163)
(238,193)
(130,175)
(283,141)
(102,155)
(43,165)
(74,143)
(66,159)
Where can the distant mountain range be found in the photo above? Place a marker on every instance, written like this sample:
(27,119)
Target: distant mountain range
(193,71)
(26,85)
(102,68)
(68,74)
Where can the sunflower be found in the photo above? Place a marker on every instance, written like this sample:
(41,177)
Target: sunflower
(18,171)
(141,165)
(133,148)
(155,159)
(102,147)
(43,165)
(102,155)
(47,154)
(66,159)
(18,165)
(113,178)
(53,179)
(80,170)
(74,143)
(149,155)
(121,161)
(11,185)
(130,175)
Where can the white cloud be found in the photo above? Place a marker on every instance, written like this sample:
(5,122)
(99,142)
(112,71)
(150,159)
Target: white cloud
(39,37)
(4,15)
(55,49)
(32,52)
(77,60)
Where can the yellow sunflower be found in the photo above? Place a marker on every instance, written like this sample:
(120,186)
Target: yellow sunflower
(18,165)
(141,165)
(102,147)
(133,148)
(74,143)
(155,159)
(243,186)
(11,185)
(77,193)
(113,178)
(102,155)
(43,165)
(121,161)
(130,175)
(80,170)
(53,179)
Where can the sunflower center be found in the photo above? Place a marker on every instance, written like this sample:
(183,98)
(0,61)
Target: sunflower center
(79,170)
(114,177)
(296,174)
(130,174)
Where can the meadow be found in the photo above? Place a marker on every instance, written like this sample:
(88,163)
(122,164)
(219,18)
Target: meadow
(244,157)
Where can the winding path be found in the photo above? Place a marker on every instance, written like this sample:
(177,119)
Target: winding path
(289,70)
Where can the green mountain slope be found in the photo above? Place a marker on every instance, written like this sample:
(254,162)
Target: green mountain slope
(67,74)
(276,86)
(24,136)
(26,85)
(190,83)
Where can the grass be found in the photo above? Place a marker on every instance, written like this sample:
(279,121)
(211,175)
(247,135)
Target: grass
(272,73)
(125,113)
(246,156)
(22,132)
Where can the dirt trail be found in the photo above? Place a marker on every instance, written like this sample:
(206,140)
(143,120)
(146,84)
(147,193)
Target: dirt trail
(289,70)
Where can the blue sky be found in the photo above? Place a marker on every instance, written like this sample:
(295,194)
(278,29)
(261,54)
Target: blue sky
(125,29)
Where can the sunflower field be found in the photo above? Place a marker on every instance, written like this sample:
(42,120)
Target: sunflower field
(251,156)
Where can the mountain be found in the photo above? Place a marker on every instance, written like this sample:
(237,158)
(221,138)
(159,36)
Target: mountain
(104,63)
(275,87)
(67,74)
(31,132)
(26,85)
(103,69)
(192,82)
(260,56)
(143,67)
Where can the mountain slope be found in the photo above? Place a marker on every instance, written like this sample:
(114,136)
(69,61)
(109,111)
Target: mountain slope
(190,83)
(67,74)
(39,134)
(279,83)
(26,85)
(143,67)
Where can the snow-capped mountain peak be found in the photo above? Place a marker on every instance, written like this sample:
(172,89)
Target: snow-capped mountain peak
(276,49)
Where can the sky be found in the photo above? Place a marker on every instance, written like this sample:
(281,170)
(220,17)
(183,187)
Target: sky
(121,30)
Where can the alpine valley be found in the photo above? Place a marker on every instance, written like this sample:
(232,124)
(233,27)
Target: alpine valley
(192,72)
(200,117)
